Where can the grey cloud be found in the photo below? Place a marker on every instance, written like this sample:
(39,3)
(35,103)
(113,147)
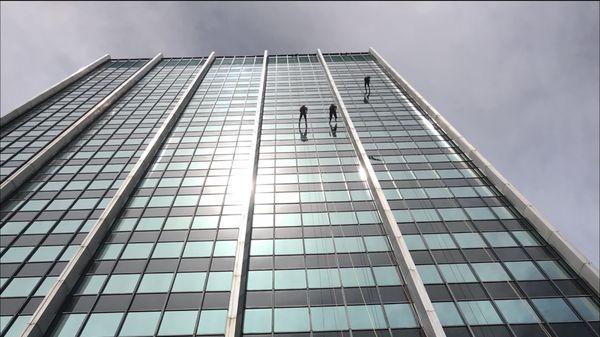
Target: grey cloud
(519,80)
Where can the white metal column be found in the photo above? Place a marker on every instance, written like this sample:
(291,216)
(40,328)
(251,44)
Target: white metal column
(428,318)
(237,297)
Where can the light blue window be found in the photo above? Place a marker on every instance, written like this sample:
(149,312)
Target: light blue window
(257,320)
(288,247)
(343,218)
(525,238)
(110,251)
(286,220)
(67,226)
(198,249)
(439,241)
(412,193)
(349,245)
(452,214)
(178,323)
(500,239)
(44,288)
(553,270)
(290,279)
(102,325)
(20,287)
(137,251)
(150,224)
(480,213)
(13,227)
(524,270)
(155,283)
(40,227)
(490,272)
(503,212)
(323,278)
(586,308)
(161,201)
(140,324)
(469,240)
(367,217)
(402,216)
(46,254)
(68,325)
(414,242)
(463,192)
(333,196)
(178,222)
(376,244)
(291,320)
(479,313)
(386,276)
(457,273)
(366,317)
(357,277)
(185,282)
(167,250)
(400,316)
(260,280)
(438,192)
(205,222)
(517,311)
(425,215)
(186,200)
(447,313)
(328,318)
(554,310)
(121,284)
(15,254)
(219,281)
(319,246)
(315,219)
(212,322)
(429,274)
(261,247)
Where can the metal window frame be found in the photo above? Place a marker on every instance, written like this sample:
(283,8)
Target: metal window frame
(34,164)
(426,313)
(237,297)
(574,258)
(51,304)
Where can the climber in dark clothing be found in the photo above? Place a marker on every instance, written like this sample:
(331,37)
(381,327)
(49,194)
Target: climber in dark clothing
(367,85)
(303,110)
(332,112)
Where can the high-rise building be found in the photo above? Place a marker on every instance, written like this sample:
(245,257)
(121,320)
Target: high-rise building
(189,197)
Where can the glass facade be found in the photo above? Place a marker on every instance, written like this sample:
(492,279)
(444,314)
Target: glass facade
(319,261)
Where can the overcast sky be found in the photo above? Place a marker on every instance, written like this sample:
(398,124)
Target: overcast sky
(519,80)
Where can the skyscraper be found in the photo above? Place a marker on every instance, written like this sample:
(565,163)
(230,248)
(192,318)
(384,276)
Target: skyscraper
(184,196)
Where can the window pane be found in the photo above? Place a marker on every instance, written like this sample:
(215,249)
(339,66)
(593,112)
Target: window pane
(288,246)
(447,313)
(219,281)
(517,311)
(429,274)
(140,324)
(328,318)
(500,239)
(439,241)
(554,310)
(102,325)
(260,280)
(357,277)
(257,321)
(212,322)
(524,270)
(291,320)
(68,325)
(479,313)
(178,323)
(457,273)
(386,276)
(366,317)
(400,316)
(189,282)
(290,279)
(154,283)
(323,278)
(121,284)
(553,270)
(586,308)
(469,240)
(490,272)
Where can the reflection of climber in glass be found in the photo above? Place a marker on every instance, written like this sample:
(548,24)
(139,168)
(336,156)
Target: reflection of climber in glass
(303,133)
(333,129)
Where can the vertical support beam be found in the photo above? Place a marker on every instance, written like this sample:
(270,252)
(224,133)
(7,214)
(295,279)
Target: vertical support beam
(575,259)
(429,321)
(52,90)
(34,164)
(237,298)
(50,306)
